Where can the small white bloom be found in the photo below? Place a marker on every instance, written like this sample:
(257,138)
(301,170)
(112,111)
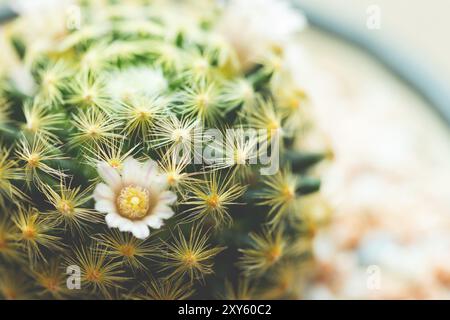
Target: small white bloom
(42,23)
(254,26)
(130,82)
(135,198)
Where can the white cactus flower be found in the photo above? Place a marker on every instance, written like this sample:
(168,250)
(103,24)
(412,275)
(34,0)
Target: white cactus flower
(135,198)
(255,26)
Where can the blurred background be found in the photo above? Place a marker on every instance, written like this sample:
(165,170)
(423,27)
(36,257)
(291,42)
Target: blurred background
(382,106)
(415,27)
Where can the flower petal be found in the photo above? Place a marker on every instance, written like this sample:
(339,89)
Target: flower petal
(132,171)
(162,211)
(168,197)
(157,183)
(151,177)
(113,220)
(140,231)
(154,222)
(105,206)
(103,192)
(125,225)
(109,175)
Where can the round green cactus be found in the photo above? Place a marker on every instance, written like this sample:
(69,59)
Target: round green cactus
(148,153)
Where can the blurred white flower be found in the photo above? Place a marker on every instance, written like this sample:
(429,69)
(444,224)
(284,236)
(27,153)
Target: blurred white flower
(34,7)
(254,26)
(43,19)
(42,24)
(135,198)
(11,65)
(136,81)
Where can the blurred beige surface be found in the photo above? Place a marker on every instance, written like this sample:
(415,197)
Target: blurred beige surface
(388,183)
(420,27)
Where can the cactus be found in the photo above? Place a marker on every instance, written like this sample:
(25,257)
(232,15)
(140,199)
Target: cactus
(103,173)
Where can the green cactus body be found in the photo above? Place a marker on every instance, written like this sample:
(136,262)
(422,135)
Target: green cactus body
(104,171)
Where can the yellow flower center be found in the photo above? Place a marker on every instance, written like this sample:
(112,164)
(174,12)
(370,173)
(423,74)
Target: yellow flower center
(248,92)
(203,101)
(173,178)
(143,113)
(88,96)
(93,131)
(134,202)
(49,79)
(190,258)
(28,233)
(294,103)
(33,160)
(240,157)
(276,63)
(32,126)
(201,66)
(50,284)
(9,293)
(127,250)
(273,125)
(274,253)
(115,163)
(3,244)
(93,275)
(65,207)
(179,135)
(213,201)
(288,193)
